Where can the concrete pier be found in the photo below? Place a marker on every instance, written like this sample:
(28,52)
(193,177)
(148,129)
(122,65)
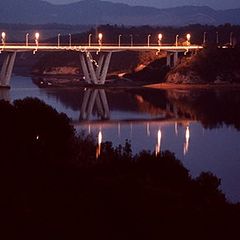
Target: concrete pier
(7,69)
(95,72)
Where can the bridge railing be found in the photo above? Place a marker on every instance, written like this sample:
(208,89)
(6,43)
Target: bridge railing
(91,45)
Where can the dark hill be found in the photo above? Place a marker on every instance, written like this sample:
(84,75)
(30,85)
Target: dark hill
(103,12)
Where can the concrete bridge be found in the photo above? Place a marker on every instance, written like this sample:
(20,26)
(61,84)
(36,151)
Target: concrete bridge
(94,72)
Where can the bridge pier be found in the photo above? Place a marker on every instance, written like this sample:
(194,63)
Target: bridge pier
(92,97)
(7,68)
(175,59)
(95,73)
(172,59)
(169,59)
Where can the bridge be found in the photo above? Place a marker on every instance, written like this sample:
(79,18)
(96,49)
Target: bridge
(95,72)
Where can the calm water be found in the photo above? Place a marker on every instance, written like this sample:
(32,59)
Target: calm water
(201,127)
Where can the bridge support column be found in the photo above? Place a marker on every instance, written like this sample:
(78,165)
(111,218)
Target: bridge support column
(90,99)
(169,59)
(85,69)
(7,69)
(95,73)
(175,59)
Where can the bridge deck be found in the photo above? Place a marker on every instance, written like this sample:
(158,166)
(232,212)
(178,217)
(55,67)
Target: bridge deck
(104,48)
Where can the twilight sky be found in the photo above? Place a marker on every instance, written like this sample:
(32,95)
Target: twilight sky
(216,4)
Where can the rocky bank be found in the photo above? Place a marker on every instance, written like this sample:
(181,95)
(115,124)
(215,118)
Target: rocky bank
(211,65)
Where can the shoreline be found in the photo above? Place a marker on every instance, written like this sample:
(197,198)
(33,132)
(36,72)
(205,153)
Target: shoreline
(128,83)
(167,86)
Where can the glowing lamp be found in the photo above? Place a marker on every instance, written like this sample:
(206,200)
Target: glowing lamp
(37,35)
(160,36)
(3,35)
(100,36)
(188,36)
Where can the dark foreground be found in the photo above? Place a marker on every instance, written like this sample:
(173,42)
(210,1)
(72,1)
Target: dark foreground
(52,186)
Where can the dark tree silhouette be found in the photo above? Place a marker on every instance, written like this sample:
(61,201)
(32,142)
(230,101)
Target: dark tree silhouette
(53,187)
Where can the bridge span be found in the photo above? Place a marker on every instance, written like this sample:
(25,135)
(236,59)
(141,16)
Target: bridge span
(95,72)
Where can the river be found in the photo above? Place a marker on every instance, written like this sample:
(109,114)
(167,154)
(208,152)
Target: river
(202,127)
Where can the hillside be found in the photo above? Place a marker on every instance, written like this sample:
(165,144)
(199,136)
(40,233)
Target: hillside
(103,12)
(212,65)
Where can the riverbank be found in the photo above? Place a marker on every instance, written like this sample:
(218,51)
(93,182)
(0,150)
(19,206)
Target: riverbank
(210,68)
(166,86)
(212,65)
(75,82)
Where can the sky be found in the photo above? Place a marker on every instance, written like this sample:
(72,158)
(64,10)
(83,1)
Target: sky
(216,4)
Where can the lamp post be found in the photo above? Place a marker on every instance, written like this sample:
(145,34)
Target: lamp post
(188,36)
(70,39)
(119,40)
(176,41)
(27,39)
(217,38)
(100,37)
(160,36)
(37,35)
(148,41)
(89,39)
(231,39)
(58,39)
(3,35)
(131,40)
(204,38)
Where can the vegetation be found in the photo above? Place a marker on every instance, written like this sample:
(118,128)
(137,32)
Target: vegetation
(140,34)
(211,65)
(151,72)
(52,186)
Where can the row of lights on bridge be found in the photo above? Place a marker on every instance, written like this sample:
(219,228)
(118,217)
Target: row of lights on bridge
(100,39)
(37,36)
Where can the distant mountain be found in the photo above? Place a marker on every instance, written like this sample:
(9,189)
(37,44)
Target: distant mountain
(102,12)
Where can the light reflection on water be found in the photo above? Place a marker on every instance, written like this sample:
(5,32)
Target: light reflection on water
(158,146)
(187,139)
(207,150)
(154,120)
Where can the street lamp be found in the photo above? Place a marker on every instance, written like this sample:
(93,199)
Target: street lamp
(160,36)
(37,35)
(89,39)
(204,38)
(70,39)
(100,37)
(217,38)
(27,39)
(148,42)
(131,40)
(3,38)
(188,39)
(176,41)
(119,40)
(231,39)
(58,40)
